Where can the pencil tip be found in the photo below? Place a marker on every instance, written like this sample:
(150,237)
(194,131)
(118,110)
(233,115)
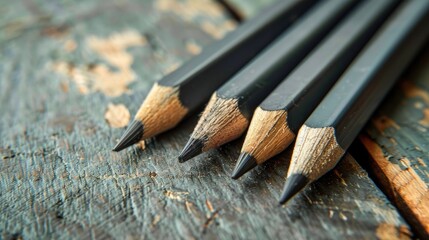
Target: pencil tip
(294,184)
(192,148)
(132,135)
(245,163)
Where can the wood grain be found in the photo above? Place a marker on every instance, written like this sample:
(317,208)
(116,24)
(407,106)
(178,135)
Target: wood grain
(59,179)
(397,139)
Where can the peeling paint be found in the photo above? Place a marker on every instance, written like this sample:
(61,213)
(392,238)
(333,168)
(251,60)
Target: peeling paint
(191,10)
(69,46)
(383,122)
(425,120)
(117,116)
(99,77)
(193,48)
(411,90)
(388,231)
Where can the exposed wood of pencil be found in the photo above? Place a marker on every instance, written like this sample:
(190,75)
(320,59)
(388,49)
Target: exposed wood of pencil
(192,84)
(231,121)
(155,116)
(316,152)
(267,134)
(359,91)
(257,79)
(221,121)
(301,91)
(162,110)
(407,189)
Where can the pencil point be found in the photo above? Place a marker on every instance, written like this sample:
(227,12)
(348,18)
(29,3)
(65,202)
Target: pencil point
(294,184)
(192,148)
(245,163)
(132,135)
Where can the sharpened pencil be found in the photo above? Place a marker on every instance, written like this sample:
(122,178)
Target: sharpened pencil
(175,96)
(278,118)
(335,123)
(228,113)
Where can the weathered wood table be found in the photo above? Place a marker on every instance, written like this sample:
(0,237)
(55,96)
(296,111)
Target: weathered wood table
(73,72)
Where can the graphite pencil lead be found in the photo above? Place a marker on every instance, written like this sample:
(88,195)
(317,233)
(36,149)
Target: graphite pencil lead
(268,135)
(132,135)
(316,152)
(245,163)
(192,148)
(221,122)
(294,184)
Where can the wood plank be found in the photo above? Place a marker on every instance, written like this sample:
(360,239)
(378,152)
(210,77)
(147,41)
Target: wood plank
(397,139)
(71,74)
(248,8)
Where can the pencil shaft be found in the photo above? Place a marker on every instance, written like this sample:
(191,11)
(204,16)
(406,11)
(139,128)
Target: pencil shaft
(227,115)
(330,129)
(304,88)
(203,74)
(277,120)
(175,96)
(360,90)
(257,79)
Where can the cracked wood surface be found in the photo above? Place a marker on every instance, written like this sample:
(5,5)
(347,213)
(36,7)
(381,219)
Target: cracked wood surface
(397,140)
(60,76)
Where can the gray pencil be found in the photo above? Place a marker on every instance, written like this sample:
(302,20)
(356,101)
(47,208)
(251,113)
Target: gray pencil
(278,118)
(335,123)
(227,115)
(176,95)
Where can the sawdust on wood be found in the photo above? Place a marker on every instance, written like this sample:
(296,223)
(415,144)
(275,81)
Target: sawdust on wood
(141,144)
(178,196)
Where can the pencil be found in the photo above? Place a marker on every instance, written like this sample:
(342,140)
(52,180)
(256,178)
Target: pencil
(176,95)
(335,123)
(228,112)
(278,118)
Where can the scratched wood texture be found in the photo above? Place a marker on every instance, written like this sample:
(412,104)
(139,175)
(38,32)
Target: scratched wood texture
(246,8)
(72,73)
(397,139)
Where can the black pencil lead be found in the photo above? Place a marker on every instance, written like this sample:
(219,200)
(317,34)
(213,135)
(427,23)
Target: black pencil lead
(132,135)
(192,148)
(294,184)
(245,163)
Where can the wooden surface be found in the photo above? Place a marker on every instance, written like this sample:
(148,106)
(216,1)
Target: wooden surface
(70,77)
(397,139)
(246,8)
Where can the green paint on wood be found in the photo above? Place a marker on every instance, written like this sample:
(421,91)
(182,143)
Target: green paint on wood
(59,179)
(399,144)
